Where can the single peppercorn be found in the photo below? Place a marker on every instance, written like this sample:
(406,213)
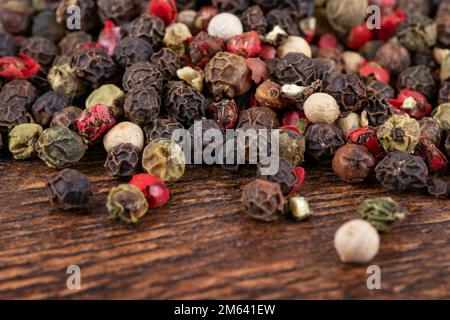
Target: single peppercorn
(18,94)
(253,19)
(109,95)
(203,47)
(348,123)
(153,188)
(88,13)
(418,78)
(400,171)
(161,128)
(232,22)
(164,159)
(299,208)
(45,25)
(68,189)
(72,40)
(63,80)
(258,118)
(15,16)
(46,105)
(94,66)
(176,37)
(118,10)
(225,113)
(94,122)
(344,14)
(142,74)
(123,160)
(285,176)
(40,49)
(8,45)
(430,130)
(381,88)
(353,163)
(21,140)
(349,91)
(321,108)
(381,212)
(295,68)
(184,103)
(322,141)
(66,117)
(60,147)
(227,75)
(168,62)
(126,203)
(417,33)
(399,133)
(268,94)
(124,132)
(131,50)
(394,57)
(378,109)
(149,28)
(263,200)
(10,116)
(439,188)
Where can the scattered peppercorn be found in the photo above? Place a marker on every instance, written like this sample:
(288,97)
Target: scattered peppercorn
(126,203)
(353,163)
(399,133)
(154,189)
(22,139)
(381,212)
(123,160)
(322,141)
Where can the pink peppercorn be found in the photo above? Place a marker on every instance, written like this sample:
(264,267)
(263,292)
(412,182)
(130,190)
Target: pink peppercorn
(95,121)
(153,188)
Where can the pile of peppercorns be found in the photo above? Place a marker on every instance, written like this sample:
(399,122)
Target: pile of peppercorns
(368,95)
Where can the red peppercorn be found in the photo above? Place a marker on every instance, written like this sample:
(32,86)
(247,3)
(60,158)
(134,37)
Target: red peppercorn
(389,24)
(417,108)
(327,40)
(109,37)
(368,138)
(95,121)
(203,47)
(359,35)
(153,188)
(21,67)
(247,44)
(300,173)
(225,113)
(373,69)
(268,52)
(164,9)
(435,160)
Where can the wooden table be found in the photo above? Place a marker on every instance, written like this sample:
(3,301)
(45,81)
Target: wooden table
(200,246)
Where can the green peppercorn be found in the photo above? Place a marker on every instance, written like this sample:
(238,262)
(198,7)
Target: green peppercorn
(63,80)
(381,212)
(442,116)
(299,208)
(399,133)
(164,159)
(127,203)
(109,95)
(60,147)
(22,139)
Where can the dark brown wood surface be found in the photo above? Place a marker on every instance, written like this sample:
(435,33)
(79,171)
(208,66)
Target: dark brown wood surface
(200,246)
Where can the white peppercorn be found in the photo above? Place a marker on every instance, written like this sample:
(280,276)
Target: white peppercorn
(225,25)
(321,108)
(356,241)
(124,132)
(348,123)
(294,44)
(352,61)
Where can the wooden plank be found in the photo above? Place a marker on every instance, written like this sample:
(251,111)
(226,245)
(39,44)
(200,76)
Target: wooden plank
(200,246)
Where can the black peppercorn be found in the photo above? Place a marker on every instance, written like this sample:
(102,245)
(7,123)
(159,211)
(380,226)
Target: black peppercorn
(68,189)
(142,104)
(71,41)
(439,188)
(285,175)
(45,25)
(149,28)
(322,141)
(19,93)
(263,200)
(46,105)
(378,109)
(326,69)
(418,78)
(444,93)
(283,19)
(295,68)
(184,103)
(10,116)
(168,61)
(349,91)
(381,88)
(258,118)
(253,19)
(40,49)
(400,171)
(443,23)
(118,10)
(88,13)
(161,128)
(142,74)
(394,57)
(15,16)
(8,45)
(66,117)
(123,160)
(94,66)
(353,163)
(131,50)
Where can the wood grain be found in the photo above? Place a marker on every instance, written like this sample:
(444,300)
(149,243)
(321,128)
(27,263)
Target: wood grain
(200,246)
